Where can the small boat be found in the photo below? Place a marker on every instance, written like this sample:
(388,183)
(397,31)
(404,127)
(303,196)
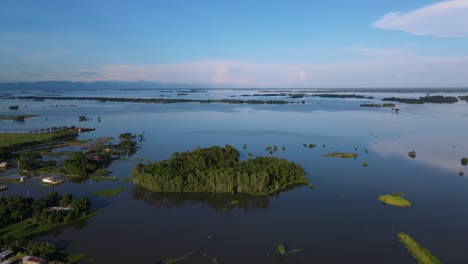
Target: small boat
(3,187)
(53,180)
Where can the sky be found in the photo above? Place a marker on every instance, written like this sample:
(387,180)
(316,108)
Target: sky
(242,43)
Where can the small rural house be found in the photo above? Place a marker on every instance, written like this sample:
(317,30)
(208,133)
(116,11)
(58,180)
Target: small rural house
(33,260)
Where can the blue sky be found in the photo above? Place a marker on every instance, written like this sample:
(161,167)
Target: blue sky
(360,43)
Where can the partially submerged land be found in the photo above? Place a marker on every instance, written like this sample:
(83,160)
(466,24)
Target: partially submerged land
(342,155)
(23,218)
(17,118)
(218,170)
(422,255)
(395,199)
(91,162)
(12,142)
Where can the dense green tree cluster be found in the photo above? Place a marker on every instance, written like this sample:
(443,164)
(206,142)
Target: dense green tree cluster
(86,163)
(218,170)
(15,209)
(42,249)
(96,160)
(464,161)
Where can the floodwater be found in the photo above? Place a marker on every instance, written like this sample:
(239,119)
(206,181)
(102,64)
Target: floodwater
(340,220)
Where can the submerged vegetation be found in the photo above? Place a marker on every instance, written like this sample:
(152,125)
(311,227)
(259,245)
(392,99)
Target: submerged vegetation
(342,155)
(395,199)
(422,255)
(109,192)
(218,170)
(17,118)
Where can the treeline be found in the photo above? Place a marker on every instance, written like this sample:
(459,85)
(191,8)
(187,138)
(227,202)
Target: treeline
(435,99)
(342,96)
(218,170)
(154,100)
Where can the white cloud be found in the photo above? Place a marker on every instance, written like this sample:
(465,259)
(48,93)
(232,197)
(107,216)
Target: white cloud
(442,19)
(403,70)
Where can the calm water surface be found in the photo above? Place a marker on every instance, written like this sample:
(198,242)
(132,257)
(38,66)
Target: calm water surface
(338,221)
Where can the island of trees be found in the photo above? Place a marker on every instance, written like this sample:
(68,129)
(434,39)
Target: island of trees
(218,170)
(435,99)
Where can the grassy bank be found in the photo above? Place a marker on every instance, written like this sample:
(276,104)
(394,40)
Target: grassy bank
(422,255)
(109,192)
(341,155)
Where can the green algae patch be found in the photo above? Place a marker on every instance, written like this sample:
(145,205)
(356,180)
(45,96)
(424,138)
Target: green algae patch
(109,192)
(395,199)
(422,255)
(342,155)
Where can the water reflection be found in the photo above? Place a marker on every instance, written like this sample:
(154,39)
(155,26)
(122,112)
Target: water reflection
(218,201)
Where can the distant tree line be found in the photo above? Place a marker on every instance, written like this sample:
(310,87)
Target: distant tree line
(435,99)
(154,100)
(218,170)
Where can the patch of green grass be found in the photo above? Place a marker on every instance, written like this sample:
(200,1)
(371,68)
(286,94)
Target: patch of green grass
(422,255)
(109,192)
(75,258)
(295,250)
(11,139)
(342,155)
(126,179)
(176,259)
(281,249)
(394,199)
(103,178)
(10,181)
(234,202)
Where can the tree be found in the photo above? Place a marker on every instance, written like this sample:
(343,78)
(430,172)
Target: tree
(41,249)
